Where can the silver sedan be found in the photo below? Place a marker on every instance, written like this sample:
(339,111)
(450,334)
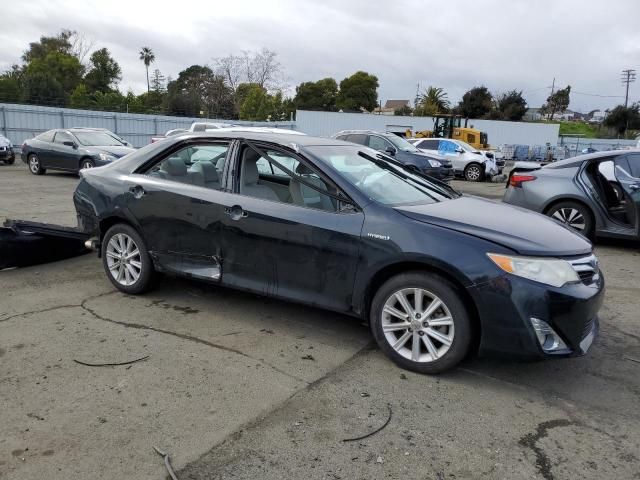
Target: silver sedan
(596,194)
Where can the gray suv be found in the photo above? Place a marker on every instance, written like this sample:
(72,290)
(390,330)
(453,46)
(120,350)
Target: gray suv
(435,166)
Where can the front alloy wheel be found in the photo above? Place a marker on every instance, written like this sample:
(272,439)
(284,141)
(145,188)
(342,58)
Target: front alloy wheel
(86,164)
(473,173)
(417,324)
(420,321)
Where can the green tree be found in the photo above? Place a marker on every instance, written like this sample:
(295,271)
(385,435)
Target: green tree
(432,102)
(81,98)
(11,85)
(557,102)
(58,44)
(623,118)
(104,72)
(476,103)
(44,88)
(148,57)
(360,90)
(509,106)
(257,105)
(197,89)
(320,95)
(158,82)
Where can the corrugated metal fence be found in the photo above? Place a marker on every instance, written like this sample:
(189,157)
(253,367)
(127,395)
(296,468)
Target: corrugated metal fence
(19,122)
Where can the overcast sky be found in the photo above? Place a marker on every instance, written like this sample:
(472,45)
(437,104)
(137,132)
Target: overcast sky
(503,44)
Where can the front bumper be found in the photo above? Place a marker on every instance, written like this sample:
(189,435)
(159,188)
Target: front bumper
(7,154)
(444,174)
(507,303)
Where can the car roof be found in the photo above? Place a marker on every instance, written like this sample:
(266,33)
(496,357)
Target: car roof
(280,138)
(365,132)
(577,160)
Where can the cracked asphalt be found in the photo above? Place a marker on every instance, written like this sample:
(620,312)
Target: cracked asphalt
(238,386)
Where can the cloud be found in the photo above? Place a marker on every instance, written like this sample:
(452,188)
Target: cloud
(502,44)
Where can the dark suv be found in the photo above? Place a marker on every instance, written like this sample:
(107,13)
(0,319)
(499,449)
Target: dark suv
(397,147)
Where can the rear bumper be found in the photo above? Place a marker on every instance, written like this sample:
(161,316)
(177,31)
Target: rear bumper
(507,303)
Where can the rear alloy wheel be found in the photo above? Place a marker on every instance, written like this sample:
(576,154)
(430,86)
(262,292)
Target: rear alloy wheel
(420,322)
(126,260)
(86,163)
(473,172)
(573,215)
(34,165)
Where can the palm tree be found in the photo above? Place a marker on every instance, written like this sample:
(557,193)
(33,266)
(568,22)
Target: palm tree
(433,101)
(147,57)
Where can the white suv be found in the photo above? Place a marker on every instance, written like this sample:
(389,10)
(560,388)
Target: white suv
(467,161)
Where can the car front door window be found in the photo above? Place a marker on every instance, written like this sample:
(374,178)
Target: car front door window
(378,143)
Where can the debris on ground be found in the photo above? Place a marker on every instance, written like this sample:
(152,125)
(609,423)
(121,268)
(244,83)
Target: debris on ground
(111,364)
(167,462)
(308,357)
(375,431)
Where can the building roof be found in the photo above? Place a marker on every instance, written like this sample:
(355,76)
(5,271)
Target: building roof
(395,104)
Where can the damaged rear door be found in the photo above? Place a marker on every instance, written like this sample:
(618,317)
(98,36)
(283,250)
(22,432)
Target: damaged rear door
(178,205)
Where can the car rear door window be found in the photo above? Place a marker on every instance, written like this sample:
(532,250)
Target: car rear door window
(199,164)
(46,136)
(358,138)
(267,177)
(62,137)
(378,143)
(429,144)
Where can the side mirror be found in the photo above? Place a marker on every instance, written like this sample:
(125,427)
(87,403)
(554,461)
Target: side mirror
(390,150)
(70,144)
(459,150)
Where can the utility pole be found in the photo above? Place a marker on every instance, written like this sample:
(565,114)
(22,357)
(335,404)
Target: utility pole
(415,102)
(628,76)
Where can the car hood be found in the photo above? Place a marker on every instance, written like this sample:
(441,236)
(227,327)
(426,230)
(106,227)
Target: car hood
(4,142)
(526,232)
(111,150)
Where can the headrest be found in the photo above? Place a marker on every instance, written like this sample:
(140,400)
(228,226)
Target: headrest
(303,169)
(250,171)
(207,169)
(175,167)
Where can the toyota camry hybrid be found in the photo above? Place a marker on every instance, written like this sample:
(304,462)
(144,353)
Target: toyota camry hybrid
(437,275)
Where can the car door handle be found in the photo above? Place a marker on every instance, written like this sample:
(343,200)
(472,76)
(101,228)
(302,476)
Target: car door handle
(236,212)
(137,191)
(635,186)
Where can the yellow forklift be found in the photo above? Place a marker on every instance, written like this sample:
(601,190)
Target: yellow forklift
(450,126)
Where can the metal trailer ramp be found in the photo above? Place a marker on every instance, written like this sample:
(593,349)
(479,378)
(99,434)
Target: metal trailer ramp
(24,243)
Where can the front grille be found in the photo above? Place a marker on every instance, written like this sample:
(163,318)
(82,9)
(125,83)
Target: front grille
(587,269)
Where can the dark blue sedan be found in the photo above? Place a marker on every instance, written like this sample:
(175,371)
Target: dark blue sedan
(72,150)
(346,228)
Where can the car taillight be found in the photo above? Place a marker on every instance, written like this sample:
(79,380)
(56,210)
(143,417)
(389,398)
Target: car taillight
(518,180)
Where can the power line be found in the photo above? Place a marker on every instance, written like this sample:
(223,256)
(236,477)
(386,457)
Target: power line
(628,76)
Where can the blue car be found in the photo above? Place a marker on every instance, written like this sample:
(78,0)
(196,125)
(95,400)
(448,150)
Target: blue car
(436,274)
(72,150)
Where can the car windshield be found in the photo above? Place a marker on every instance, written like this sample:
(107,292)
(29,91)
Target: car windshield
(466,147)
(401,144)
(100,139)
(379,177)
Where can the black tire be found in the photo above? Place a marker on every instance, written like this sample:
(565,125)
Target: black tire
(450,297)
(561,213)
(34,166)
(86,163)
(147,275)
(10,161)
(474,172)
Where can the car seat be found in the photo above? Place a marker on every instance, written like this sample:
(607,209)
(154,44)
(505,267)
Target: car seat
(205,174)
(306,196)
(250,178)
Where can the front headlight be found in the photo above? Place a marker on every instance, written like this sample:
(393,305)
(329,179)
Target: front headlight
(107,158)
(550,271)
(435,163)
